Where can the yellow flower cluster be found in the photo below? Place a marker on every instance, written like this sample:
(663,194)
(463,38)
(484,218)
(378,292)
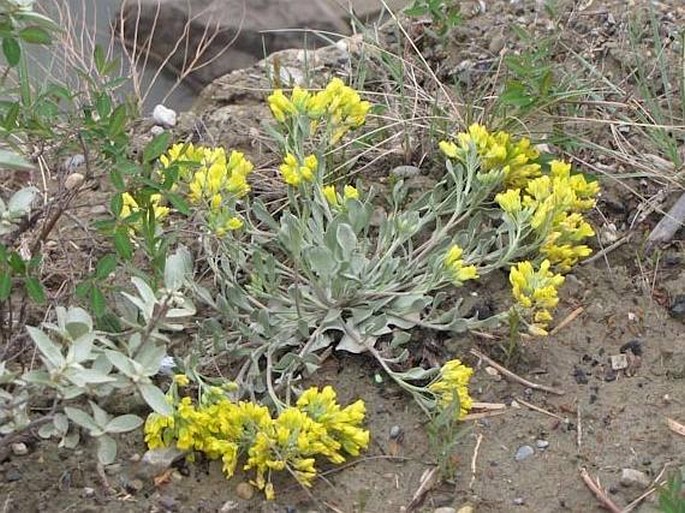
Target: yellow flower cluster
(536,291)
(213,179)
(338,104)
(556,202)
(316,426)
(453,385)
(295,172)
(498,153)
(458,271)
(130,206)
(334,199)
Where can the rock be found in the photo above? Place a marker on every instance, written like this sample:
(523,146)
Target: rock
(19,449)
(395,432)
(445,509)
(164,116)
(73,162)
(519,501)
(156,130)
(73,181)
(541,444)
(523,452)
(88,492)
(168,503)
(631,477)
(245,491)
(156,461)
(618,361)
(677,309)
(466,509)
(229,506)
(405,171)
(12,475)
(235,33)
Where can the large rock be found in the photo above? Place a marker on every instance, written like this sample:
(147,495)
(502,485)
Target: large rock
(233,34)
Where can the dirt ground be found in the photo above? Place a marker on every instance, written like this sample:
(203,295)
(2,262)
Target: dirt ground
(605,421)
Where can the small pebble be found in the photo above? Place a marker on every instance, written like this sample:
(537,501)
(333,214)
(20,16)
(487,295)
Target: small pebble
(677,309)
(229,506)
(466,509)
(541,444)
(244,490)
(445,509)
(631,477)
(618,361)
(405,171)
(395,432)
(164,116)
(74,161)
(519,501)
(168,503)
(135,485)
(523,452)
(156,130)
(88,492)
(20,449)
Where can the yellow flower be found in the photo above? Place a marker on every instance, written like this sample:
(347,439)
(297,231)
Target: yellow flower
(453,385)
(129,205)
(350,192)
(536,291)
(510,201)
(280,106)
(330,195)
(449,149)
(294,173)
(454,264)
(181,380)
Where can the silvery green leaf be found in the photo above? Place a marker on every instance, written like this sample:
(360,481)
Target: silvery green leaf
(81,348)
(416,374)
(9,159)
(409,303)
(156,399)
(80,418)
(77,375)
(146,293)
(107,450)
(347,240)
(121,362)
(77,322)
(150,358)
(177,269)
(321,261)
(47,431)
(145,309)
(38,377)
(405,322)
(48,349)
(399,338)
(187,309)
(123,423)
(70,440)
(102,364)
(72,392)
(61,422)
(101,416)
(20,202)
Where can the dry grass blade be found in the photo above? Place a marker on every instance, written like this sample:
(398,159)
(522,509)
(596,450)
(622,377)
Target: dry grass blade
(675,426)
(428,480)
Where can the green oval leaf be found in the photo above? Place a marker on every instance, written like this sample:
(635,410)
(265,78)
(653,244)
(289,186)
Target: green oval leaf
(11,50)
(35,35)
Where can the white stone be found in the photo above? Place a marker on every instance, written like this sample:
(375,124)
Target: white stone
(164,116)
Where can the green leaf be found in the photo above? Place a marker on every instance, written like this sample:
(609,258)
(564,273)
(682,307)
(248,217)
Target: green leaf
(16,263)
(105,266)
(347,240)
(35,35)
(107,450)
(124,423)
(156,147)
(178,203)
(5,285)
(122,244)
(13,161)
(155,399)
(103,105)
(321,261)
(82,290)
(11,50)
(35,290)
(178,268)
(98,302)
(100,59)
(117,121)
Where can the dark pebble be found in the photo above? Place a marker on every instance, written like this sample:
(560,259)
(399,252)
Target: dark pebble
(677,309)
(12,475)
(634,346)
(168,503)
(580,376)
(610,375)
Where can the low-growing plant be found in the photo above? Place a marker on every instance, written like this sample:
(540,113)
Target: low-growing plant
(672,494)
(444,15)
